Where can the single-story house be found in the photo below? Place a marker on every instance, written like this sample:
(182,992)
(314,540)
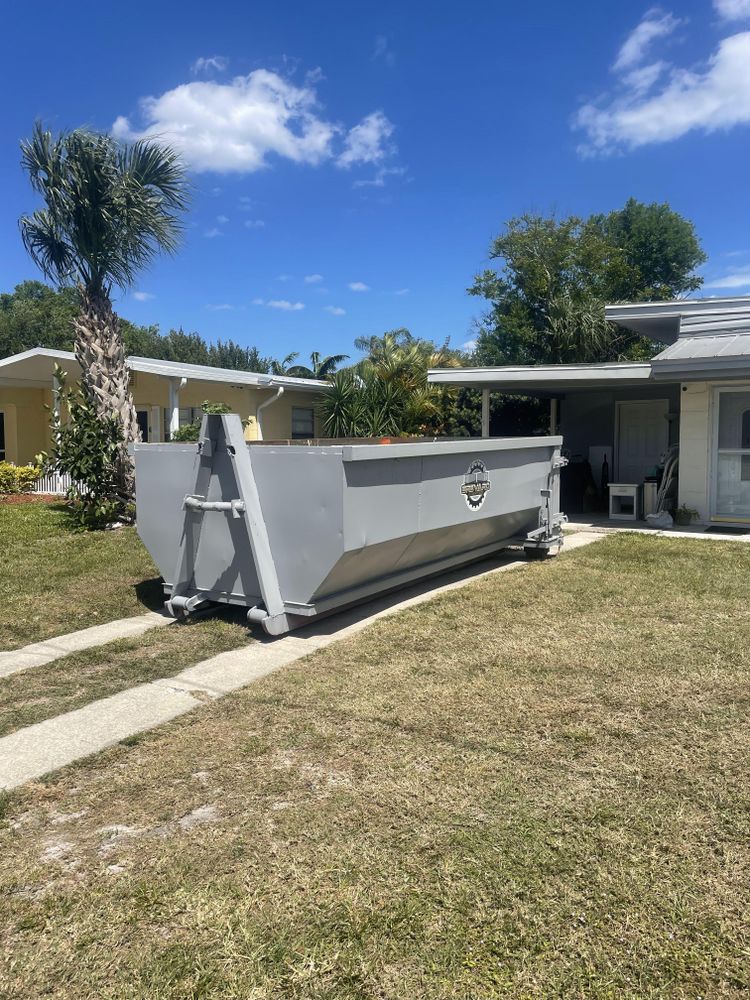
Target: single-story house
(694,394)
(167,395)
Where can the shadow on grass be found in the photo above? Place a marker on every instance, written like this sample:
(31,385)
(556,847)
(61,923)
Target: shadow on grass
(150,593)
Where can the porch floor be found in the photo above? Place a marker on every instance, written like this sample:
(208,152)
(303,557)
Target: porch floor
(604,524)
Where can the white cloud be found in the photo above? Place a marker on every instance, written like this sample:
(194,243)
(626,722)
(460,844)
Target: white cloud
(470,345)
(368,141)
(211,234)
(733,10)
(221,307)
(402,291)
(284,277)
(313,279)
(716,97)
(222,219)
(283,304)
(335,310)
(237,126)
(380,177)
(254,223)
(381,50)
(358,286)
(143,296)
(655,24)
(206,64)
(643,78)
(734,279)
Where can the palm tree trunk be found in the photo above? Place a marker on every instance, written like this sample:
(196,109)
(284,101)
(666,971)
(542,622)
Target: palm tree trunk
(100,352)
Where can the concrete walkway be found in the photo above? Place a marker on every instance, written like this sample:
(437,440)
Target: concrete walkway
(34,751)
(39,653)
(605,525)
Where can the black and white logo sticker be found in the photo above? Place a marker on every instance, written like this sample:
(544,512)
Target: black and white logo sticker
(476,484)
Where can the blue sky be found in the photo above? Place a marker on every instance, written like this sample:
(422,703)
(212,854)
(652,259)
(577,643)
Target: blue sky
(351,163)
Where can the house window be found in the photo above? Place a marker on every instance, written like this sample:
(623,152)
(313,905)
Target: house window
(188,415)
(745,440)
(303,422)
(2,436)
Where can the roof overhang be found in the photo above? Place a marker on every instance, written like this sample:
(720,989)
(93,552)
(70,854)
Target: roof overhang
(35,369)
(664,321)
(543,380)
(205,373)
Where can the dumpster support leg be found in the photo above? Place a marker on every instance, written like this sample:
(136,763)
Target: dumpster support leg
(547,539)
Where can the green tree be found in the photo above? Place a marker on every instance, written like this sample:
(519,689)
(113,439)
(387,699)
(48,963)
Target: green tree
(227,354)
(282,367)
(547,298)
(110,208)
(320,367)
(660,252)
(35,315)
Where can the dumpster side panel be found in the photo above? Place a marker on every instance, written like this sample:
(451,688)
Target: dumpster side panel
(301,495)
(164,474)
(401,513)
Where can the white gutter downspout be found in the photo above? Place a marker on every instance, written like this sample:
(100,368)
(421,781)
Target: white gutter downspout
(268,402)
(174,403)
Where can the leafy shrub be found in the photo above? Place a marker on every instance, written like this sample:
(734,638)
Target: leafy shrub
(18,478)
(191,432)
(87,448)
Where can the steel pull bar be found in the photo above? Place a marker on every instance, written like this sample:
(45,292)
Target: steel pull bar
(237,507)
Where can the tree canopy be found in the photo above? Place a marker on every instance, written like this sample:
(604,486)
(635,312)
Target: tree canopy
(35,315)
(547,298)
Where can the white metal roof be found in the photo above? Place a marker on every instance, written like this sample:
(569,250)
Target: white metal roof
(665,321)
(522,378)
(35,368)
(725,355)
(205,373)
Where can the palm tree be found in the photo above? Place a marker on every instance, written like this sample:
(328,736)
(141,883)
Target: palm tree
(387,392)
(110,208)
(319,367)
(283,367)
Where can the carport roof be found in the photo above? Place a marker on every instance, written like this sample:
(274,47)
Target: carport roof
(543,379)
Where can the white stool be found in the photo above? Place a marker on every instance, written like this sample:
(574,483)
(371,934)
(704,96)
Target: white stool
(625,501)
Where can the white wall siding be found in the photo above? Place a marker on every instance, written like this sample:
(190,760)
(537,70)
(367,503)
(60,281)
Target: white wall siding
(695,447)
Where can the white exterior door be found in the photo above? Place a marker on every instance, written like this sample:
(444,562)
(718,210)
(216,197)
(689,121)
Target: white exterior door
(642,437)
(731,493)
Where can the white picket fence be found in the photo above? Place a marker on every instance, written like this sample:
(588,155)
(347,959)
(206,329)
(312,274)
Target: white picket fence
(54,483)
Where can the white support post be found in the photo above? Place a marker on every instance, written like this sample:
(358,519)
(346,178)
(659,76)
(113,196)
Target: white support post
(553,416)
(156,431)
(485,413)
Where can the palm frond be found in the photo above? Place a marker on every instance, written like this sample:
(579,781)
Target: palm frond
(110,206)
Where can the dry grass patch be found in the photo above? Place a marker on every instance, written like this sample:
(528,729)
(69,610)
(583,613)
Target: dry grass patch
(535,786)
(76,680)
(55,580)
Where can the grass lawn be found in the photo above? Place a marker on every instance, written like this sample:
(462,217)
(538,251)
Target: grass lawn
(76,680)
(54,579)
(535,786)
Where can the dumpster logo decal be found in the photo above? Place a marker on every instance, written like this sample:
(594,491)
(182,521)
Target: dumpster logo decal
(476,485)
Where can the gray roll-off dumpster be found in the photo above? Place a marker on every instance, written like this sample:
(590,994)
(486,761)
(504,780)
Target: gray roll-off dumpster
(294,530)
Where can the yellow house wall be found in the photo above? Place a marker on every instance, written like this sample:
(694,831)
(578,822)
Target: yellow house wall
(152,390)
(27,420)
(26,423)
